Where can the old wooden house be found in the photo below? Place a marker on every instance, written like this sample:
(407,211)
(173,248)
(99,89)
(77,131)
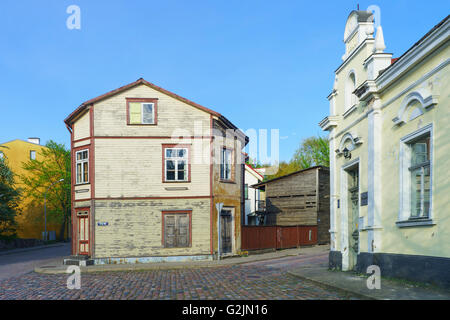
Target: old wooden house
(148,168)
(299,199)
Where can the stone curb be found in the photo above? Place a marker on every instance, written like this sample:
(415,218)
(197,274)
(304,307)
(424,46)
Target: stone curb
(148,266)
(20,250)
(333,287)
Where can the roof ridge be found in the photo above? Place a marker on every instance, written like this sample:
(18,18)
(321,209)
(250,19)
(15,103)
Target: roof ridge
(133,84)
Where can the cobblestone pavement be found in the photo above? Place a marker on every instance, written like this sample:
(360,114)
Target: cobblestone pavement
(257,280)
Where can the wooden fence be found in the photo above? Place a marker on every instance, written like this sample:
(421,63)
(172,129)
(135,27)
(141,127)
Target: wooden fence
(277,237)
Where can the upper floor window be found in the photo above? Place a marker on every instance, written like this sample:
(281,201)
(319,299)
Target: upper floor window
(33,155)
(246,191)
(350,86)
(82,166)
(226,164)
(142,111)
(176,164)
(1,155)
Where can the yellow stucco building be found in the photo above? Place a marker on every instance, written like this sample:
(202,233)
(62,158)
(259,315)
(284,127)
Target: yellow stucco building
(31,218)
(388,131)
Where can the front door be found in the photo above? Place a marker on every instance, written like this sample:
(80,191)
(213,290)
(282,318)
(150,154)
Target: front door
(225,231)
(83,232)
(353,192)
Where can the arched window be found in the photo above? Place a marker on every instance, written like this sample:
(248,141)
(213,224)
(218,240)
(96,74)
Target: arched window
(414,105)
(350,86)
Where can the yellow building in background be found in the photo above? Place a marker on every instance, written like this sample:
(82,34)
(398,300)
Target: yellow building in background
(30,219)
(389,155)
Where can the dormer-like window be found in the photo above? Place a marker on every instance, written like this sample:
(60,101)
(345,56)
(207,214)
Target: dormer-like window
(141,111)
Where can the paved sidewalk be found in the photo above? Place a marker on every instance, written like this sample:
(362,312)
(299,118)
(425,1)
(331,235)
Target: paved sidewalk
(350,282)
(58,269)
(18,262)
(20,250)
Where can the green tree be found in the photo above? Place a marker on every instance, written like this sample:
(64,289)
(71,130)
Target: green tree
(9,197)
(313,151)
(42,174)
(284,168)
(256,164)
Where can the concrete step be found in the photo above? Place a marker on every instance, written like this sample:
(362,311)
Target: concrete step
(79,260)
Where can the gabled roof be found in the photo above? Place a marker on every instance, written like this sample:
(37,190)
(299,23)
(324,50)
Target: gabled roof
(253,171)
(34,144)
(395,60)
(140,81)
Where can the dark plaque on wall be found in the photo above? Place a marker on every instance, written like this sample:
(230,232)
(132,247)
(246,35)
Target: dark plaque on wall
(364,198)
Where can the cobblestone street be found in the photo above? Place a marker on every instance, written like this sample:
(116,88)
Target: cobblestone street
(257,280)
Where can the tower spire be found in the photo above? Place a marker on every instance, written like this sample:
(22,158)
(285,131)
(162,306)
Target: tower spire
(379,41)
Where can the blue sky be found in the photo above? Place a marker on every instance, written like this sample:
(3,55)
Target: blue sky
(262,64)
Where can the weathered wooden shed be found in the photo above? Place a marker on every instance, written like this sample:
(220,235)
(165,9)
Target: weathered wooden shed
(301,198)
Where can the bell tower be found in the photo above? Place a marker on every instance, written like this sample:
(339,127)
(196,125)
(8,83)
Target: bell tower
(358,28)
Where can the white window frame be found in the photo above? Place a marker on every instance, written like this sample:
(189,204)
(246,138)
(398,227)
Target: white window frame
(405,178)
(226,167)
(175,160)
(32,152)
(82,161)
(142,112)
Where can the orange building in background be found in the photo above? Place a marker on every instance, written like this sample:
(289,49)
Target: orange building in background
(30,219)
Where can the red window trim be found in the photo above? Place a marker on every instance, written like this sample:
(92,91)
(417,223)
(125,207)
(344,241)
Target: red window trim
(189,213)
(164,146)
(87,148)
(152,100)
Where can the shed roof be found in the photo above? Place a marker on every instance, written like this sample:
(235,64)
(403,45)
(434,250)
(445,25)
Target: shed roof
(262,184)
